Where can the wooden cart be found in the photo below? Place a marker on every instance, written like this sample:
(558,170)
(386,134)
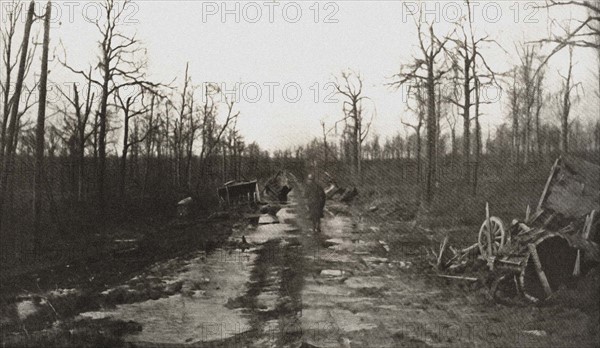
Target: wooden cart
(549,247)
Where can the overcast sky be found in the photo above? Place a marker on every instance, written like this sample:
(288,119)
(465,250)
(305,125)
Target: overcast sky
(283,52)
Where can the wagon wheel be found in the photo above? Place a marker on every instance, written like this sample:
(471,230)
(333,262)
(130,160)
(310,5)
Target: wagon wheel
(498,236)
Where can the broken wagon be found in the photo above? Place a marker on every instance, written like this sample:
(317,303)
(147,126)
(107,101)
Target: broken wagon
(235,193)
(550,246)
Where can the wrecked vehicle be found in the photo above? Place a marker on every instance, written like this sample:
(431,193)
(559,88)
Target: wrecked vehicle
(333,191)
(278,187)
(235,193)
(553,244)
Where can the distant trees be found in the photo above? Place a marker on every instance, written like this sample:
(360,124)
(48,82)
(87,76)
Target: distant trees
(110,145)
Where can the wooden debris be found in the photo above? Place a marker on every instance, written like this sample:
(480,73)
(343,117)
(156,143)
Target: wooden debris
(472,249)
(585,234)
(349,195)
(539,270)
(442,259)
(471,279)
(385,246)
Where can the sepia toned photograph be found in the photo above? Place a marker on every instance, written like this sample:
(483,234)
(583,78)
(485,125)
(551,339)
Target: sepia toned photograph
(299,174)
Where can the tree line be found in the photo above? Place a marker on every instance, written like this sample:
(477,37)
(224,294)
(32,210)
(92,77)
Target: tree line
(117,140)
(114,141)
(443,83)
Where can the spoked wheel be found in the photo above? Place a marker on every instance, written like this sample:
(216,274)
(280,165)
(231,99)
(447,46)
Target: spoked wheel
(498,236)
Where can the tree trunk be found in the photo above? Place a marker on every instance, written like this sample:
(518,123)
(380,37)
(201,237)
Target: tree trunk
(123,166)
(477,138)
(453,139)
(431,134)
(515,125)
(102,119)
(39,134)
(418,156)
(149,147)
(467,120)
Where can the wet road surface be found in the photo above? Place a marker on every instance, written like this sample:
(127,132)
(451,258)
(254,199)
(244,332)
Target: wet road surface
(289,287)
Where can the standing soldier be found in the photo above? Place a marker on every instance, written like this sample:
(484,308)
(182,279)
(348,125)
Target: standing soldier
(315,199)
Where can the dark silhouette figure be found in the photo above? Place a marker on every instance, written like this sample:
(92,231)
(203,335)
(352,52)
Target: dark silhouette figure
(315,199)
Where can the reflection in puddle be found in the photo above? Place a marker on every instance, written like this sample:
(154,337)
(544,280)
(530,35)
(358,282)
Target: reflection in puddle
(199,312)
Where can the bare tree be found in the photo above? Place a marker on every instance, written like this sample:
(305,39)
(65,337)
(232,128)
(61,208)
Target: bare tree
(426,68)
(528,54)
(584,34)
(539,103)
(566,91)
(451,119)
(180,134)
(9,140)
(515,110)
(118,68)
(467,63)
(418,110)
(39,133)
(212,132)
(78,127)
(358,126)
(128,114)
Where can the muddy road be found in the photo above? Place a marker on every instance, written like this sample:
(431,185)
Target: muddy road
(277,284)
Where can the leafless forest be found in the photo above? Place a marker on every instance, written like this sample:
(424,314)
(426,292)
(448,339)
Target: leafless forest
(108,155)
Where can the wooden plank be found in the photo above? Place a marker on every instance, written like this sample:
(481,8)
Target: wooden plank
(458,277)
(589,220)
(539,270)
(443,248)
(545,192)
(489,228)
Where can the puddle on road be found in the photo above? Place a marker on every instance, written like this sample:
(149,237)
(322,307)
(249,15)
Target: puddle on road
(179,319)
(266,232)
(199,313)
(337,226)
